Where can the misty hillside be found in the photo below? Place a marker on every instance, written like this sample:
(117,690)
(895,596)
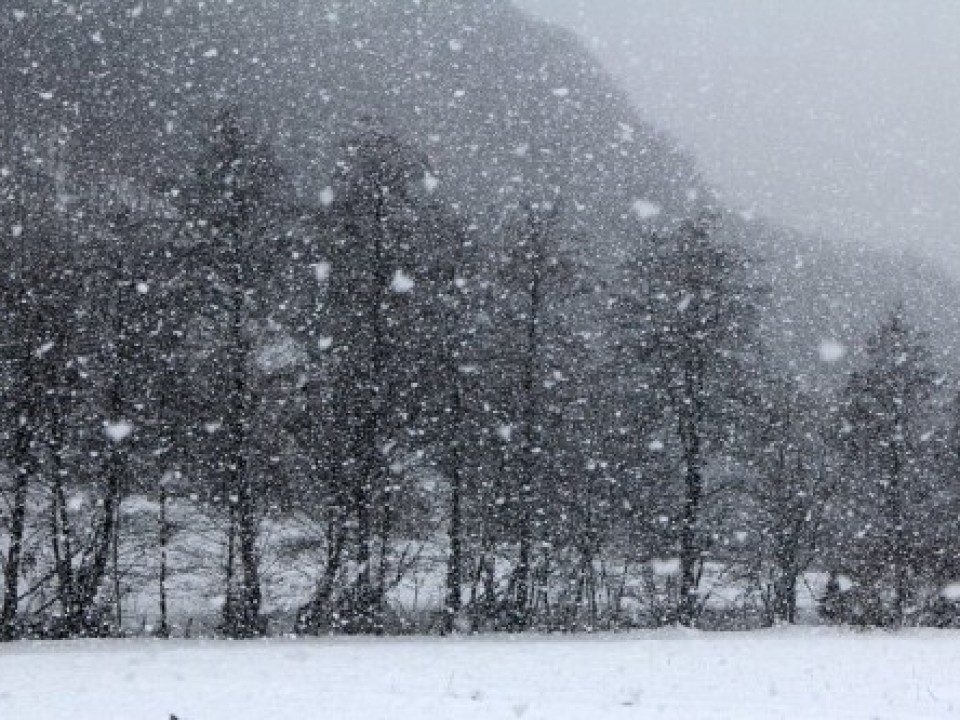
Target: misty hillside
(824,291)
(505,106)
(501,102)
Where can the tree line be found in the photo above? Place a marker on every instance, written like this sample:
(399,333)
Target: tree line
(556,443)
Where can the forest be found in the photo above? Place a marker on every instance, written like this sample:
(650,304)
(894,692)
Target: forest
(208,378)
(392,318)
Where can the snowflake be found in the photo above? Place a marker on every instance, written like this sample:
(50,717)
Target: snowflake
(119,430)
(951,592)
(402,283)
(321,271)
(831,351)
(645,209)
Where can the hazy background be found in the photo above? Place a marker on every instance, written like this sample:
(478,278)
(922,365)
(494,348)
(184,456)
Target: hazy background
(838,116)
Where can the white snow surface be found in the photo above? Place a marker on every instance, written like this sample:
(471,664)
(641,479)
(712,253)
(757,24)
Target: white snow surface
(781,673)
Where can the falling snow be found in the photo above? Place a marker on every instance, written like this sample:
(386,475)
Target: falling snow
(431,182)
(118,430)
(645,209)
(831,351)
(321,271)
(539,320)
(402,283)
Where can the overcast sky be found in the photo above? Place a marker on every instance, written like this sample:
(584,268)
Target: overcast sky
(834,115)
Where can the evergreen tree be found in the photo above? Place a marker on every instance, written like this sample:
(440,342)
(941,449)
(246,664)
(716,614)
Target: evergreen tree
(886,422)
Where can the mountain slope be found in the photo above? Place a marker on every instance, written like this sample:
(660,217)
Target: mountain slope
(505,106)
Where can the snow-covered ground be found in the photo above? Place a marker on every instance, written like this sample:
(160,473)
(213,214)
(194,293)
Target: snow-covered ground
(797,673)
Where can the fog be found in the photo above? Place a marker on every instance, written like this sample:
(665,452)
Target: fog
(834,117)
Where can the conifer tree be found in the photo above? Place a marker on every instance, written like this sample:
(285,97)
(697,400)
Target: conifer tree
(886,421)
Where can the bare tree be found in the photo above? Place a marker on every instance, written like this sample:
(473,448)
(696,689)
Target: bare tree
(697,313)
(234,199)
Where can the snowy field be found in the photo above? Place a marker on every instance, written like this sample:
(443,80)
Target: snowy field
(802,673)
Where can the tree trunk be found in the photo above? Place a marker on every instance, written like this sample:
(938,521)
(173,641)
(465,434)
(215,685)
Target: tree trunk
(245,621)
(454,597)
(117,590)
(528,453)
(11,571)
(25,466)
(455,560)
(365,600)
(689,549)
(369,480)
(251,623)
(80,586)
(229,613)
(163,629)
(90,578)
(690,553)
(898,555)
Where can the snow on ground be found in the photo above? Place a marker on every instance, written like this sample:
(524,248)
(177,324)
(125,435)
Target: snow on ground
(795,673)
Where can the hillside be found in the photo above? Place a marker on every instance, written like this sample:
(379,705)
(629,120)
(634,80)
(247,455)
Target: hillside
(505,106)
